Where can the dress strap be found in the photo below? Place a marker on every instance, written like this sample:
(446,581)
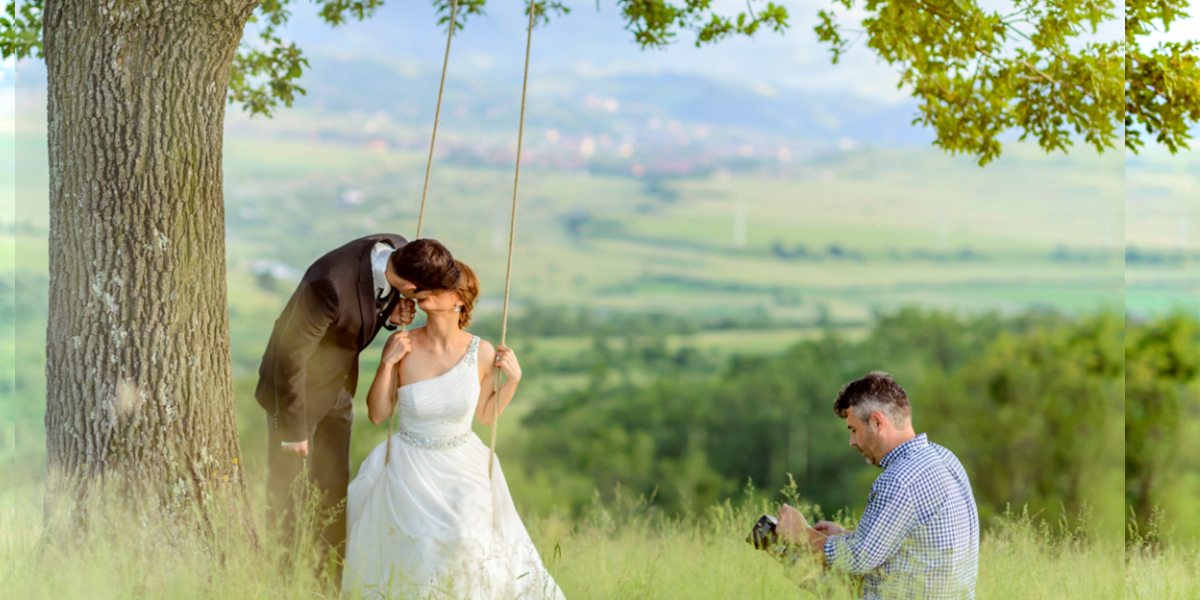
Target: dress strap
(472,351)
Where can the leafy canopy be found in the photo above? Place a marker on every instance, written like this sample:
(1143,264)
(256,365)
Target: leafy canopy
(1162,84)
(977,74)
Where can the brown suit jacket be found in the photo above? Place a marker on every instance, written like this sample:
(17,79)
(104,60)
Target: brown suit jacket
(314,348)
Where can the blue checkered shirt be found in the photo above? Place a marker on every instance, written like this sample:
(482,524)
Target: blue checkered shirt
(919,535)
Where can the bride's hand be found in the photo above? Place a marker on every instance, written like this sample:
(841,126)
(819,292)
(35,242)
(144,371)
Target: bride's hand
(506,360)
(398,346)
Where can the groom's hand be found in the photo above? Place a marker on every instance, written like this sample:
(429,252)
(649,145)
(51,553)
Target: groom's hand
(404,312)
(300,449)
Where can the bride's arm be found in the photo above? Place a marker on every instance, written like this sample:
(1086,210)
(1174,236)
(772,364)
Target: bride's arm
(379,399)
(489,359)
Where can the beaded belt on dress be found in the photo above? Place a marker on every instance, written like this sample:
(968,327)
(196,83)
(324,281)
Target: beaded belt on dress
(433,443)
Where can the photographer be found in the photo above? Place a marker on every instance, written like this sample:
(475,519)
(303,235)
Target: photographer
(919,534)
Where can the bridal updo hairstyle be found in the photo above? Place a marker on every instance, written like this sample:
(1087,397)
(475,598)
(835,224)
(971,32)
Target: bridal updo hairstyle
(427,264)
(468,291)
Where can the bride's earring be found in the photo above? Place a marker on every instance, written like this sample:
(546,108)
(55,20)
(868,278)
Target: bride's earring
(457,308)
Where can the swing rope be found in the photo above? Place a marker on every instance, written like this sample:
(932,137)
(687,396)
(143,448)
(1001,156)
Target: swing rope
(436,117)
(437,114)
(512,232)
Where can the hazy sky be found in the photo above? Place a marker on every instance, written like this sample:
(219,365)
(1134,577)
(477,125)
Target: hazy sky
(588,42)
(591,42)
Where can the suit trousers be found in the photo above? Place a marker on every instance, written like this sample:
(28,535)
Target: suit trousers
(327,467)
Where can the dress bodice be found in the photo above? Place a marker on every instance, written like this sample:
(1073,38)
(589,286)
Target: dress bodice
(442,406)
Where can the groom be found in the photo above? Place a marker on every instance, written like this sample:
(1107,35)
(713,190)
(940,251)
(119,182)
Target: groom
(309,371)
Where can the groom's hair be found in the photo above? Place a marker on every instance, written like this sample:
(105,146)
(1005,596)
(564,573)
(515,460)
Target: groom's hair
(427,264)
(875,392)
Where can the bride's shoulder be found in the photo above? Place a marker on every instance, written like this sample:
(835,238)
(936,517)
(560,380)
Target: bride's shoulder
(487,352)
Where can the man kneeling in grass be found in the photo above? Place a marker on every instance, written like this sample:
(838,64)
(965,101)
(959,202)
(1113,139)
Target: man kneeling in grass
(919,535)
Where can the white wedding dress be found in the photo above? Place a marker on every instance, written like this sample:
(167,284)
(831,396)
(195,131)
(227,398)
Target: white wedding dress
(429,523)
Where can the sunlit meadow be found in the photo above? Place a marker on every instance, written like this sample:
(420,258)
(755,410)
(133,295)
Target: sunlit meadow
(624,551)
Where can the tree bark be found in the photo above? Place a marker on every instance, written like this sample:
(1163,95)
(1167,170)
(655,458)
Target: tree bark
(139,375)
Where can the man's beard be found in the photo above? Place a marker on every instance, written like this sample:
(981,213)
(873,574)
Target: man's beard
(868,445)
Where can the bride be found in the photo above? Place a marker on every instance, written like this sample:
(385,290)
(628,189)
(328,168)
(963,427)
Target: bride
(423,519)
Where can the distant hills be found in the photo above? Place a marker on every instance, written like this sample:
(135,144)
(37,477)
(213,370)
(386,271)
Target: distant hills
(773,89)
(621,105)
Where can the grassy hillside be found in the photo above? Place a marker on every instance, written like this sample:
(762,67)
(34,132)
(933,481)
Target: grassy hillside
(853,232)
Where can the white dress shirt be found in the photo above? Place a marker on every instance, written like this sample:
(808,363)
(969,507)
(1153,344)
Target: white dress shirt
(379,260)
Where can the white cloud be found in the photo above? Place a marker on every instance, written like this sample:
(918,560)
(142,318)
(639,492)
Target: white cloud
(481,61)
(763,88)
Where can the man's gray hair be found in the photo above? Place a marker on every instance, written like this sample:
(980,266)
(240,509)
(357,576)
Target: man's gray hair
(877,392)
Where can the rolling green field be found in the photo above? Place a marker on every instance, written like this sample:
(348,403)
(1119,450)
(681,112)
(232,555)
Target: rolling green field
(879,228)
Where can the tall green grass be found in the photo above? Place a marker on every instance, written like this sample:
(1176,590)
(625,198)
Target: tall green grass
(1165,573)
(626,551)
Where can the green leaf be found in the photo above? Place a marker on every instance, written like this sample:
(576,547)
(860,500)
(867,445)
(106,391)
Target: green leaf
(21,31)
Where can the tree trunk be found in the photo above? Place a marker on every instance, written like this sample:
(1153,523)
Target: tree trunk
(139,377)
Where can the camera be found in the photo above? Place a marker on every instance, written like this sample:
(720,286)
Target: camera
(764,537)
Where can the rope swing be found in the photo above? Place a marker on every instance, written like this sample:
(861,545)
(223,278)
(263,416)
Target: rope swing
(512,232)
(437,114)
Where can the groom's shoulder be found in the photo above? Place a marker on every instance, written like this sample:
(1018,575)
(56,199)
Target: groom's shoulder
(393,239)
(361,244)
(370,240)
(333,263)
